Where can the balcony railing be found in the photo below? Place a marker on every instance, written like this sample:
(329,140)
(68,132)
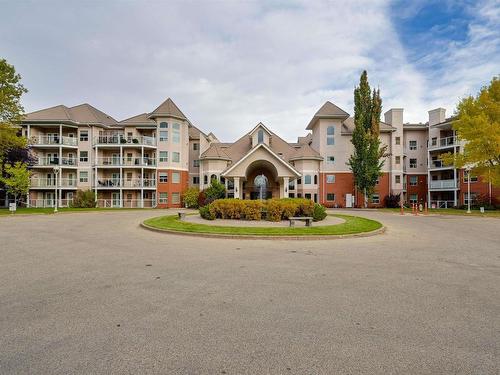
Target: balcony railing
(132,203)
(122,140)
(439,164)
(47,162)
(131,162)
(49,140)
(41,203)
(443,184)
(442,204)
(125,183)
(444,142)
(51,182)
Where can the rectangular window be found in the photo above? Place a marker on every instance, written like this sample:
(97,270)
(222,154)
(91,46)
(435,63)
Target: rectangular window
(84,176)
(196,180)
(84,156)
(398,179)
(84,135)
(330,135)
(291,185)
(398,159)
(163,135)
(163,177)
(434,141)
(176,157)
(163,125)
(299,181)
(330,159)
(472,177)
(176,134)
(375,199)
(163,156)
(163,198)
(472,197)
(413,145)
(176,198)
(176,178)
(307,179)
(413,180)
(291,195)
(398,141)
(129,157)
(308,196)
(195,146)
(413,198)
(129,176)
(196,163)
(330,197)
(330,178)
(413,163)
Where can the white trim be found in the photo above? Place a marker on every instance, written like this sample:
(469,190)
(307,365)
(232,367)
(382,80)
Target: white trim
(297,173)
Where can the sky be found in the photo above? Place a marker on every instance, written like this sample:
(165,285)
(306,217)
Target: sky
(231,64)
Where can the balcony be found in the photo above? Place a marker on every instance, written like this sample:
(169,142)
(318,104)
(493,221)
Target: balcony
(127,203)
(53,162)
(134,183)
(116,162)
(442,204)
(443,184)
(443,143)
(438,164)
(44,203)
(120,140)
(53,140)
(50,183)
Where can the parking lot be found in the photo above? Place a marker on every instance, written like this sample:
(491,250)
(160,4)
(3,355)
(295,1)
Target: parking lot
(95,293)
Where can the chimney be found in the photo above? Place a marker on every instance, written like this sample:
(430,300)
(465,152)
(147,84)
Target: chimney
(394,117)
(437,116)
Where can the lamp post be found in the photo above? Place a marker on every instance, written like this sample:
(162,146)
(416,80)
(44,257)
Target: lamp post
(468,191)
(56,174)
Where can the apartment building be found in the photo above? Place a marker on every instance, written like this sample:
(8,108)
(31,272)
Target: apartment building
(149,160)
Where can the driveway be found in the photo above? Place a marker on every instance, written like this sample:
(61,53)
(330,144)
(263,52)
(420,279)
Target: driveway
(94,293)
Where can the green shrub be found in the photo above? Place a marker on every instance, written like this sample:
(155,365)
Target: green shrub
(216,190)
(190,197)
(84,199)
(275,209)
(206,214)
(319,212)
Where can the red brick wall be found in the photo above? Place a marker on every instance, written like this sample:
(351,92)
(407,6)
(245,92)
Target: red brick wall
(170,187)
(344,184)
(420,189)
(480,187)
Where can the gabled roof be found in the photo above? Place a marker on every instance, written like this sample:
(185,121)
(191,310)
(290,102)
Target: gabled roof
(327,110)
(83,114)
(142,119)
(168,109)
(268,149)
(348,126)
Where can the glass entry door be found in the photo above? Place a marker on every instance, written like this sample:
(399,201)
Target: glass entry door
(115,199)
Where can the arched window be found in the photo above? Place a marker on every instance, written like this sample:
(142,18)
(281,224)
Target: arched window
(163,125)
(260,136)
(315,179)
(213,177)
(330,135)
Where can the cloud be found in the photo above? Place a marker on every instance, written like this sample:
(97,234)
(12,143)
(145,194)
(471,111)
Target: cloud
(228,65)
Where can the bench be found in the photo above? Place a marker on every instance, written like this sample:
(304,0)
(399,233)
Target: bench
(182,215)
(307,219)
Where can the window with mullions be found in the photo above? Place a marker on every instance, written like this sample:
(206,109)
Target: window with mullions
(330,135)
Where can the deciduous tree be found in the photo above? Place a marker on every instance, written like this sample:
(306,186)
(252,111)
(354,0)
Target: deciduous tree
(16,179)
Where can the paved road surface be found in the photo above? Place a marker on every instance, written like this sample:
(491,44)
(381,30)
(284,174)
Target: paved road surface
(93,293)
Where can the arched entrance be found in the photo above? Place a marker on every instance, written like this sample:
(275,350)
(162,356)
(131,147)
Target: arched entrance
(261,181)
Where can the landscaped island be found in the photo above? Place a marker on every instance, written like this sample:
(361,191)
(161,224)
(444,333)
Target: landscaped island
(271,209)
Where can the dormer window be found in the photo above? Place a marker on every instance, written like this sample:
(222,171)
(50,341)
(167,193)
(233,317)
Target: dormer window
(260,136)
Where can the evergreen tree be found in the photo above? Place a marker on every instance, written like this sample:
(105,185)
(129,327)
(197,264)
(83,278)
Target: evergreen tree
(365,162)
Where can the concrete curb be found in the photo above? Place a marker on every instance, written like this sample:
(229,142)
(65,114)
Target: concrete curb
(265,237)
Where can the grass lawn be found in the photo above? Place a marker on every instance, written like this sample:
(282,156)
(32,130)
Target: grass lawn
(49,210)
(352,225)
(449,211)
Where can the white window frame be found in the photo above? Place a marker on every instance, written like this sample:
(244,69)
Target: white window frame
(412,145)
(330,178)
(165,158)
(83,176)
(163,176)
(176,178)
(163,198)
(176,157)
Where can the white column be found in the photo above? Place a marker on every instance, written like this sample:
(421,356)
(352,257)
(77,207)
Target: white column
(286,181)
(225,185)
(455,203)
(237,187)
(121,176)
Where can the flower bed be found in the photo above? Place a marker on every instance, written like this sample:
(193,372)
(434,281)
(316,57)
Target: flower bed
(271,209)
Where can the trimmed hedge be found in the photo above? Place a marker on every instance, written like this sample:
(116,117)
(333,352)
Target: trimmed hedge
(271,209)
